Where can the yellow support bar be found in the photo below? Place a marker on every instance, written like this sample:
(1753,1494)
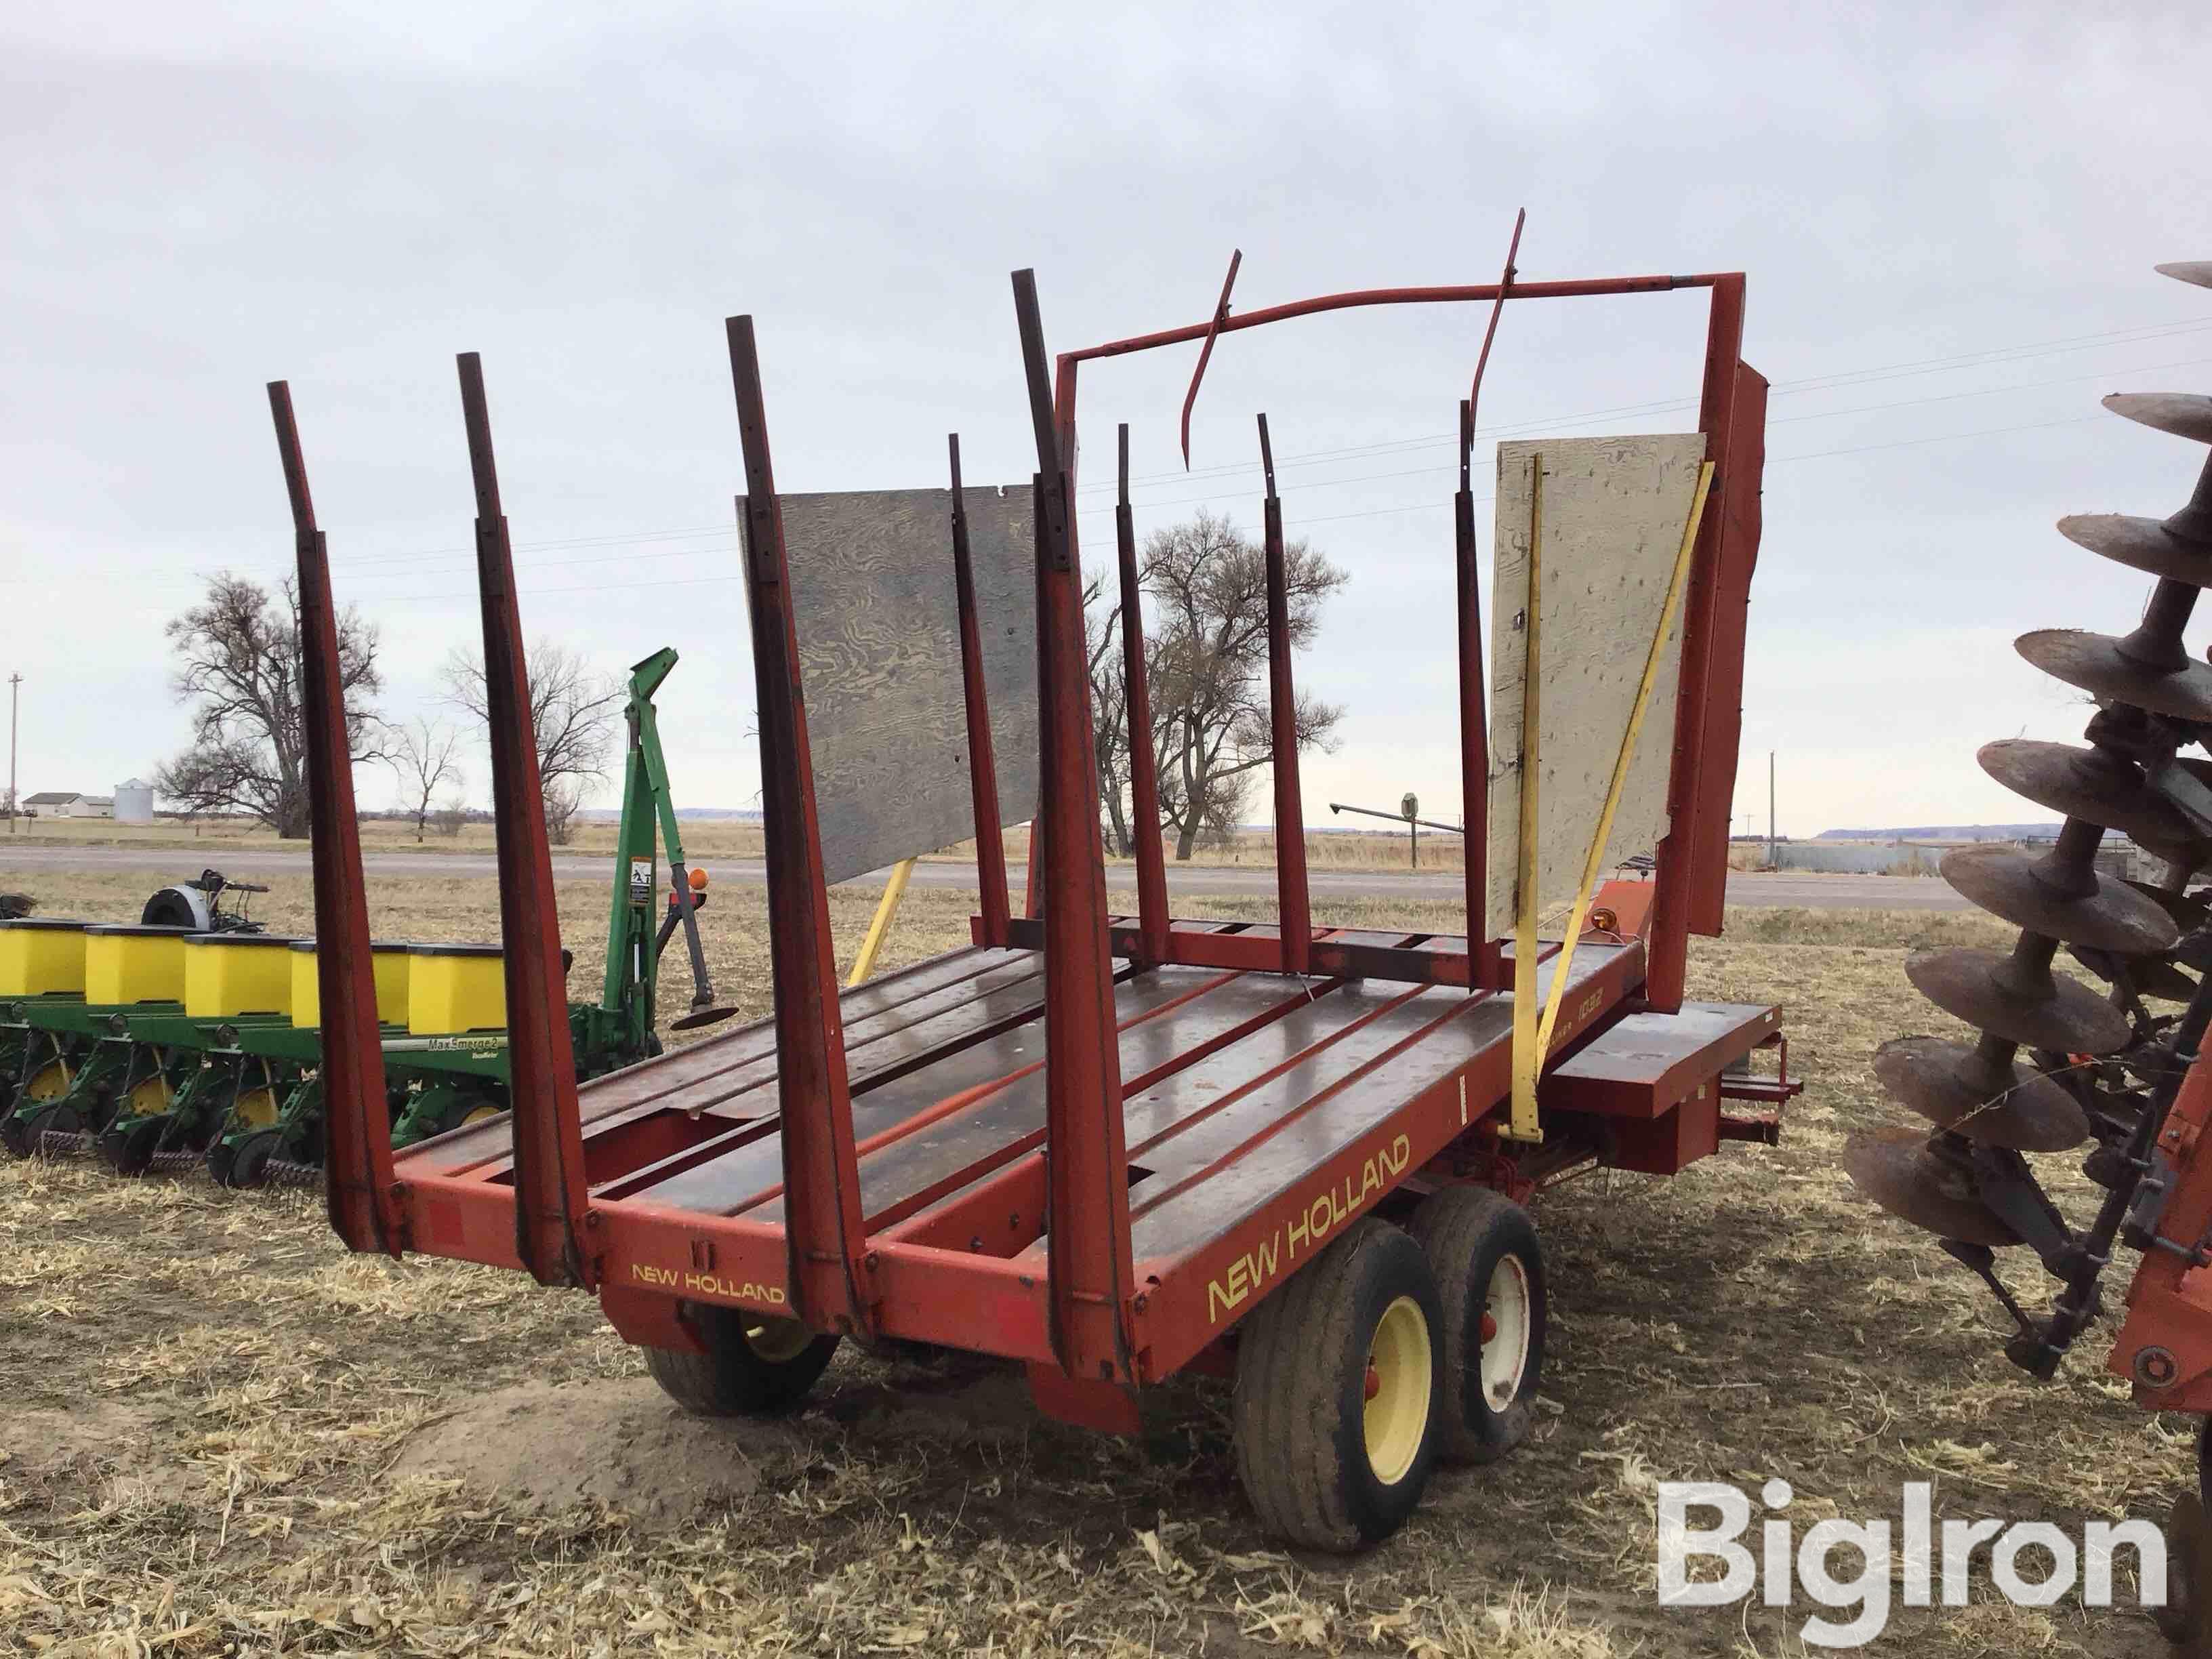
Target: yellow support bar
(1523,1124)
(1594,859)
(886,907)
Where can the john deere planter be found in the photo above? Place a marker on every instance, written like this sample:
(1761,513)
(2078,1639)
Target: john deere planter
(196,1039)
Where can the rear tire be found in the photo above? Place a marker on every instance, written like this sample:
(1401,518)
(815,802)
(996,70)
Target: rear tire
(1484,1250)
(752,1365)
(1339,1375)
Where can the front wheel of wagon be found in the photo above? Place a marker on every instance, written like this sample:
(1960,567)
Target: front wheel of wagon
(752,1366)
(1484,1250)
(1338,1378)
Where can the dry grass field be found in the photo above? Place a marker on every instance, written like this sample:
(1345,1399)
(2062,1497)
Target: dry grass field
(222,1435)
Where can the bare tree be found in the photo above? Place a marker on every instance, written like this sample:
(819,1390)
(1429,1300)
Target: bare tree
(571,710)
(242,666)
(426,757)
(451,818)
(1206,661)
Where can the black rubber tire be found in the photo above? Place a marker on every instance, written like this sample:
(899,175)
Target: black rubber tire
(15,1134)
(58,1115)
(130,1147)
(248,1165)
(732,1378)
(1300,1400)
(1466,1231)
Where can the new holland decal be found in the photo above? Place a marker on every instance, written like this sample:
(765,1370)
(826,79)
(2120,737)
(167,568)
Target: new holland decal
(1308,1229)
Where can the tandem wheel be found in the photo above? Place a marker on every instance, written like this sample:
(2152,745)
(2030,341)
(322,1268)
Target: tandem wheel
(1482,1246)
(753,1365)
(1338,1377)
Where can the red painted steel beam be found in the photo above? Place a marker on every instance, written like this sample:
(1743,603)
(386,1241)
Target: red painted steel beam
(1692,860)
(358,1177)
(1205,357)
(1137,711)
(982,758)
(1474,712)
(549,1147)
(1293,904)
(1458,294)
(1088,1241)
(821,1173)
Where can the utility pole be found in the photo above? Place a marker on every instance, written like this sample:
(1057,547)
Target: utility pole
(14,681)
(1771,836)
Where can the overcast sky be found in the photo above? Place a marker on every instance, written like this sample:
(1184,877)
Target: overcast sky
(1947,214)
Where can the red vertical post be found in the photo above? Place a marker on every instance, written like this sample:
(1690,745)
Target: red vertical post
(821,1169)
(1086,1152)
(1291,901)
(1137,706)
(549,1196)
(1692,860)
(983,758)
(357,1170)
(1474,718)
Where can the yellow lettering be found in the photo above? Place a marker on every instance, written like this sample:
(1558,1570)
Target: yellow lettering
(1299,1235)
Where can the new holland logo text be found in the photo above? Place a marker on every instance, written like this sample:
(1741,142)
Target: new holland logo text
(668,1279)
(1306,1230)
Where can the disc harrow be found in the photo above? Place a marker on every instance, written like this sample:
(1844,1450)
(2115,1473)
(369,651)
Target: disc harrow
(2056,1064)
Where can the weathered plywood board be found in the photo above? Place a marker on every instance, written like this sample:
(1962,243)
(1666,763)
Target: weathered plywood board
(1615,509)
(877,614)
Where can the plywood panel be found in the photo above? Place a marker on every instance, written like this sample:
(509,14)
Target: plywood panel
(874,607)
(1613,514)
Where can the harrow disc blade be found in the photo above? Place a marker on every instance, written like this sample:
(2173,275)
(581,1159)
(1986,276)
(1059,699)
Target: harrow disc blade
(2183,414)
(2109,917)
(2144,544)
(1999,1103)
(1896,1169)
(2153,976)
(2186,910)
(1972,985)
(2198,272)
(2086,783)
(2096,663)
(2187,1620)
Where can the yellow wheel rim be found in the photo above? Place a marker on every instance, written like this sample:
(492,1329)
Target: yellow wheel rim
(1400,1370)
(779,1341)
(50,1082)
(256,1109)
(481,1115)
(150,1098)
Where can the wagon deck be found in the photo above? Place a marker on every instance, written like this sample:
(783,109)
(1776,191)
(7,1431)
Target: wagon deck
(1244,1094)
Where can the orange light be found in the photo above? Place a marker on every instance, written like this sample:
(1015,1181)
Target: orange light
(698,877)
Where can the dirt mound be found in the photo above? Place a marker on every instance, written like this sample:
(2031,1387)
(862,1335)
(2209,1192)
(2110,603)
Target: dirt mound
(621,1443)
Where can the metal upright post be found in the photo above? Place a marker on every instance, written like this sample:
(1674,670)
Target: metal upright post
(357,1171)
(1474,720)
(1771,836)
(15,683)
(1291,903)
(1087,1167)
(983,756)
(1137,709)
(550,1195)
(821,1168)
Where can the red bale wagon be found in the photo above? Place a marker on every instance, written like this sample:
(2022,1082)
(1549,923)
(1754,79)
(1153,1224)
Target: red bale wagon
(1108,1148)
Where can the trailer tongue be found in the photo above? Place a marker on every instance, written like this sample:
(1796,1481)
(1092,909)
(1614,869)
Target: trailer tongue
(1113,1148)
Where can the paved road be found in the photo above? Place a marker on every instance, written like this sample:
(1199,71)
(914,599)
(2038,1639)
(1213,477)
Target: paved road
(1820,892)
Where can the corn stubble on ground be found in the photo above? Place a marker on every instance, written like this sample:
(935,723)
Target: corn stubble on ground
(223,1435)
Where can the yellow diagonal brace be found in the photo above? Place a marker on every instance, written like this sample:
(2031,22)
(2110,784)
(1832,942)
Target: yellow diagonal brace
(1595,858)
(886,907)
(1523,1124)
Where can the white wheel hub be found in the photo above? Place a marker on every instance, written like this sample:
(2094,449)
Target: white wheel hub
(1506,1327)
